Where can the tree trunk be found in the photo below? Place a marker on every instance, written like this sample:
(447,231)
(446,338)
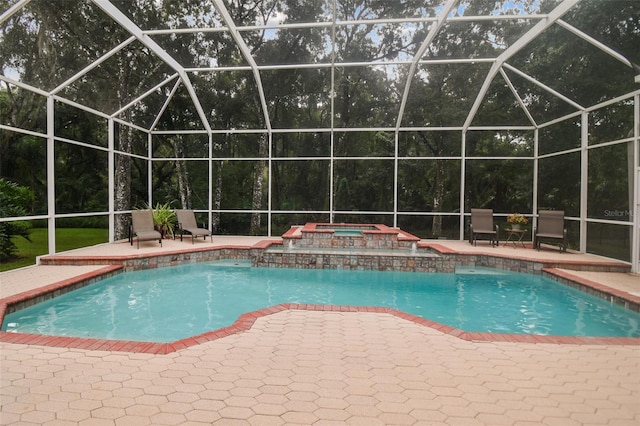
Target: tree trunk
(258,184)
(438,195)
(122,193)
(217,199)
(184,186)
(123,182)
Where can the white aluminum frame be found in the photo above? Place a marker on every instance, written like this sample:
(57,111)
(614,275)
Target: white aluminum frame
(499,65)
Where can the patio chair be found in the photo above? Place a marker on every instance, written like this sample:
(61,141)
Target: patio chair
(550,226)
(482,225)
(142,227)
(187,224)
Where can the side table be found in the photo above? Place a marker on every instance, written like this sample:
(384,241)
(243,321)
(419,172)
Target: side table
(515,236)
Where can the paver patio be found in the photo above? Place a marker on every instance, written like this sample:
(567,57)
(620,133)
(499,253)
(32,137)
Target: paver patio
(306,367)
(312,367)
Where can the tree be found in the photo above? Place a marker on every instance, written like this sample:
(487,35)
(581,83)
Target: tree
(588,76)
(14,201)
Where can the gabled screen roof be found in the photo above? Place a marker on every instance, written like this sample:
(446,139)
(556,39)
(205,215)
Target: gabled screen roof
(146,61)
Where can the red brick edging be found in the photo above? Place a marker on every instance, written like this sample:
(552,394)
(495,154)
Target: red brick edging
(246,321)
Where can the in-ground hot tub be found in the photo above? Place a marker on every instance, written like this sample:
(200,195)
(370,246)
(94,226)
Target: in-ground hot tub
(348,235)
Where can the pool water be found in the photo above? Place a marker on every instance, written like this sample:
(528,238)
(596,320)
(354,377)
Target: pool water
(347,228)
(168,304)
(347,233)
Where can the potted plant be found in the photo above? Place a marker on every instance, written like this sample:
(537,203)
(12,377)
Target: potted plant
(164,218)
(516,220)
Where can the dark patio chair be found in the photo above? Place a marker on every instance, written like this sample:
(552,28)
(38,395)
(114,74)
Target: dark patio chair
(142,227)
(482,226)
(187,224)
(550,226)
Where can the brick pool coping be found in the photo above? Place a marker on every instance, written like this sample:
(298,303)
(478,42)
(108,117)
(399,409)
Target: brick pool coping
(246,321)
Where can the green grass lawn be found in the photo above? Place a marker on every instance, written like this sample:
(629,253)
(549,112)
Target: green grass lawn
(66,239)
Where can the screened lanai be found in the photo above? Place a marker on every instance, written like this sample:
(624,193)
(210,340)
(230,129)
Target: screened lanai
(264,114)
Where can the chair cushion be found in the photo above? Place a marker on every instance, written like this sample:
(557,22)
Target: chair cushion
(148,235)
(548,235)
(197,231)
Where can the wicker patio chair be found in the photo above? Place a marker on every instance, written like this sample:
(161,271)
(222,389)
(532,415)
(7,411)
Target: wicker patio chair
(142,227)
(482,226)
(187,224)
(550,226)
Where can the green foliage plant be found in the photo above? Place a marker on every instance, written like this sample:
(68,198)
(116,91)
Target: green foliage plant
(13,202)
(164,218)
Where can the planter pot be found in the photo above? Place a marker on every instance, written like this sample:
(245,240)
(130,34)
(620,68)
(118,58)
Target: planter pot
(163,230)
(515,226)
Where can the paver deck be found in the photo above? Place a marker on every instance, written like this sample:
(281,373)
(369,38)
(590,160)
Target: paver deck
(312,367)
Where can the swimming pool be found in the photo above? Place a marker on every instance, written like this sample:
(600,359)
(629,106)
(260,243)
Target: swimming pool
(168,304)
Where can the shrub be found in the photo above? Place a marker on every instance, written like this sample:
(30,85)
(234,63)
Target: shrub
(14,200)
